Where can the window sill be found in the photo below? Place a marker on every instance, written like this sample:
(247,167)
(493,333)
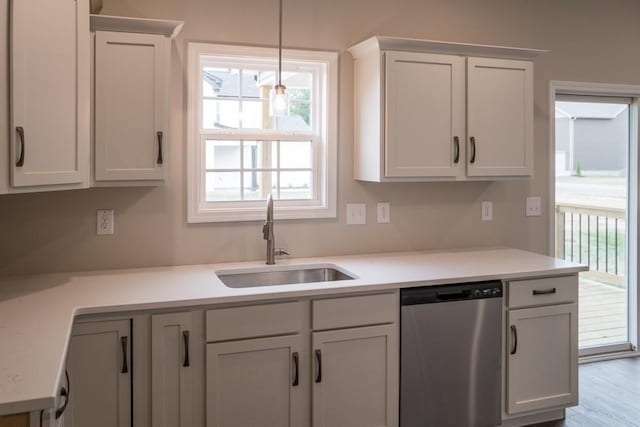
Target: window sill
(204,215)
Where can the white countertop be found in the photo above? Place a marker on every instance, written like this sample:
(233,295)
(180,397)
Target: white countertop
(37,312)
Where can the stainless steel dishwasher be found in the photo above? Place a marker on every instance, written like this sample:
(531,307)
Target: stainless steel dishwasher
(450,355)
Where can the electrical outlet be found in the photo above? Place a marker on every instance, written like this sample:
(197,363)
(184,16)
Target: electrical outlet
(104,221)
(487,211)
(356,213)
(384,212)
(534,206)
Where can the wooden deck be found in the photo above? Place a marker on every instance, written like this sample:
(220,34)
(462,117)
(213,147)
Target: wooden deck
(603,314)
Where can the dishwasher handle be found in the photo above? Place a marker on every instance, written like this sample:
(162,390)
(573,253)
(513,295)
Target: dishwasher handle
(446,296)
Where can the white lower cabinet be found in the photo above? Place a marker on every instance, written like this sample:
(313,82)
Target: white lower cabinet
(542,358)
(541,342)
(341,371)
(355,377)
(174,358)
(99,368)
(329,362)
(257,382)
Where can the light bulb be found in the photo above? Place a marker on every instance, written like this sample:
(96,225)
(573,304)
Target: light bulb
(279,101)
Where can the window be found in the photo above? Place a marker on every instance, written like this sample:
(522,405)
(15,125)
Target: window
(239,152)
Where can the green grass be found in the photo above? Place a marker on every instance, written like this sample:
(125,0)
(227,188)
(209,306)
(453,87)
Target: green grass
(596,249)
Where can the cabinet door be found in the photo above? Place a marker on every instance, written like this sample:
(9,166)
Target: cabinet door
(260,382)
(355,377)
(542,358)
(499,117)
(49,93)
(99,367)
(172,370)
(424,115)
(130,106)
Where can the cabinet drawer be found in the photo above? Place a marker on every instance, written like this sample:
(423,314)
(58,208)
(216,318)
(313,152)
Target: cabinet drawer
(552,290)
(254,321)
(354,311)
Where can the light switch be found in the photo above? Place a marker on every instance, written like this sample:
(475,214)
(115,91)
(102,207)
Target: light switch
(487,211)
(534,206)
(384,212)
(356,213)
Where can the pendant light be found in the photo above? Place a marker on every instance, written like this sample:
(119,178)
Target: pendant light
(279,96)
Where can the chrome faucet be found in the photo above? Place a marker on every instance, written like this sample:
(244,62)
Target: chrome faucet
(267,231)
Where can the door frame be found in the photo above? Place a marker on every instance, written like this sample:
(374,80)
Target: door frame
(557,87)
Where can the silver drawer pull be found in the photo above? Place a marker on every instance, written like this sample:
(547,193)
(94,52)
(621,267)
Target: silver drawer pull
(544,291)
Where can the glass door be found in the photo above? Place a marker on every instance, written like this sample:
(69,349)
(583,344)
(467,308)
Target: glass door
(592,138)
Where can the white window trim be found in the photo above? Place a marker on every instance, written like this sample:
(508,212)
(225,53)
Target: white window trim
(199,211)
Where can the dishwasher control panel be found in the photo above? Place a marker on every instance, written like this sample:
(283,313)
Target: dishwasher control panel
(447,293)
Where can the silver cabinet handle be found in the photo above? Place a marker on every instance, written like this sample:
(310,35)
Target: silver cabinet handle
(456,156)
(514,334)
(160,160)
(20,161)
(185,338)
(473,149)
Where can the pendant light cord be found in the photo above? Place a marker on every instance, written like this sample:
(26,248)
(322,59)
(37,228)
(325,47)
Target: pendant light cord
(280,46)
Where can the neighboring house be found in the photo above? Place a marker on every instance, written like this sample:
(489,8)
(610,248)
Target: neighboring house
(582,129)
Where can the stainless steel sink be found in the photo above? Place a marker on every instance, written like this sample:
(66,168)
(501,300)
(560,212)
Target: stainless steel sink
(289,276)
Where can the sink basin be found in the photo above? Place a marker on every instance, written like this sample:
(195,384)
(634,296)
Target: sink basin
(283,276)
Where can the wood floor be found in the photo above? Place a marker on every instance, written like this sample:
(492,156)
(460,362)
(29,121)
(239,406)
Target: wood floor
(609,396)
(603,314)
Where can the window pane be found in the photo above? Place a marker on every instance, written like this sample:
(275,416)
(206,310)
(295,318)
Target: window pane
(260,154)
(252,114)
(221,82)
(298,119)
(250,87)
(220,114)
(258,185)
(222,186)
(302,110)
(222,154)
(301,93)
(295,185)
(295,154)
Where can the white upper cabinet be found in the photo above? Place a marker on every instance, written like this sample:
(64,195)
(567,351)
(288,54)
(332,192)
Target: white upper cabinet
(500,117)
(49,102)
(131,108)
(424,115)
(421,115)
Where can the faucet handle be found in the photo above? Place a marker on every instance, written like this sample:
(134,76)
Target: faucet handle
(281,251)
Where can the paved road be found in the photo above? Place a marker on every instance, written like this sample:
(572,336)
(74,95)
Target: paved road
(605,192)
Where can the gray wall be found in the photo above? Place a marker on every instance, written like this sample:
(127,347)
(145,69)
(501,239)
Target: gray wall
(562,134)
(601,144)
(56,231)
